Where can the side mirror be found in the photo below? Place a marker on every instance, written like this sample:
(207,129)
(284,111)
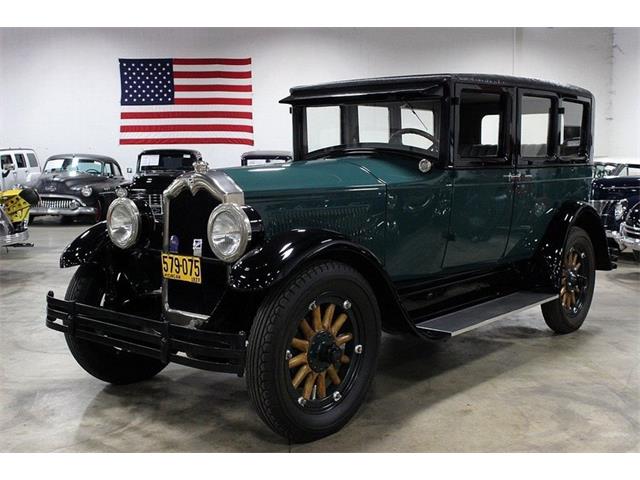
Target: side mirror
(9,167)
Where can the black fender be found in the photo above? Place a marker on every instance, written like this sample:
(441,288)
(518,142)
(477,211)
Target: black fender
(86,247)
(266,266)
(548,257)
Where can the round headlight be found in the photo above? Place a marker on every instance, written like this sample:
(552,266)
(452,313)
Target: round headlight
(123,222)
(228,231)
(86,191)
(619,210)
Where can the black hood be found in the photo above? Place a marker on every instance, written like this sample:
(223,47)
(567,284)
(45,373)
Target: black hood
(614,188)
(64,180)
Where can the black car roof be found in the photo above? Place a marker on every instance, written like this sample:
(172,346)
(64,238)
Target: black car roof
(408,83)
(89,156)
(170,151)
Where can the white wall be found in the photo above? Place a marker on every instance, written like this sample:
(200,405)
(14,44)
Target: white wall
(625,94)
(59,88)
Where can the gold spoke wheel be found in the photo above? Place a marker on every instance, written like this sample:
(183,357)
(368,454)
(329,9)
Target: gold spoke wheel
(322,324)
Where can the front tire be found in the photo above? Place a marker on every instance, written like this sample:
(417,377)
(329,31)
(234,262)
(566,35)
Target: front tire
(312,351)
(106,363)
(567,313)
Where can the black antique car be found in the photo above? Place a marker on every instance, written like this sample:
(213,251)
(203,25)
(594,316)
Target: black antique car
(155,170)
(427,205)
(75,185)
(257,157)
(613,195)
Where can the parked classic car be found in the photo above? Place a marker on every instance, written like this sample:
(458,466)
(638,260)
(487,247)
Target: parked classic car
(612,196)
(155,170)
(257,157)
(630,231)
(74,184)
(429,205)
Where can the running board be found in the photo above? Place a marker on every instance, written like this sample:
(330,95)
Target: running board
(461,321)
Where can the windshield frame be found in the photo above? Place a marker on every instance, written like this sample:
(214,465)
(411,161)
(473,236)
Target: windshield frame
(300,152)
(140,169)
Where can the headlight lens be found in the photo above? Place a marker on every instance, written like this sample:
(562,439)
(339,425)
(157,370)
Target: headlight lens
(229,232)
(123,222)
(620,209)
(86,191)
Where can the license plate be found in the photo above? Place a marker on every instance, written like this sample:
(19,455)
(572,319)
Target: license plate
(181,267)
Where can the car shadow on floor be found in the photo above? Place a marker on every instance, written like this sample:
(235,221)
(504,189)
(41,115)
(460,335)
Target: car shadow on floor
(192,410)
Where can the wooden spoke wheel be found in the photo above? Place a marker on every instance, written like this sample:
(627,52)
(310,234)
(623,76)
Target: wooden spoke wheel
(574,281)
(312,351)
(320,349)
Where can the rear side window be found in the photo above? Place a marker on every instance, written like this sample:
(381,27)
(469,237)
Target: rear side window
(33,161)
(535,123)
(481,127)
(20,161)
(572,138)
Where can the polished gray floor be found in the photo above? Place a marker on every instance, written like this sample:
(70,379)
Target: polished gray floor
(510,386)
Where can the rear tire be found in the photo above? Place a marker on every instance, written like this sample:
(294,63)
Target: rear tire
(105,363)
(567,313)
(324,400)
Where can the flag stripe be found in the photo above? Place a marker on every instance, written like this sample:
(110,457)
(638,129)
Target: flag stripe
(190,114)
(212,88)
(212,74)
(213,101)
(187,128)
(212,61)
(198,140)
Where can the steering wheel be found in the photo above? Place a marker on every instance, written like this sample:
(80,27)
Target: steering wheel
(92,170)
(413,131)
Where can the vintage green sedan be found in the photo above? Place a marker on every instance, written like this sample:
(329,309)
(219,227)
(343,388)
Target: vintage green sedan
(428,205)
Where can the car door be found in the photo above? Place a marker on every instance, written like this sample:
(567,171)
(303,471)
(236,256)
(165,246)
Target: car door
(552,145)
(483,173)
(22,169)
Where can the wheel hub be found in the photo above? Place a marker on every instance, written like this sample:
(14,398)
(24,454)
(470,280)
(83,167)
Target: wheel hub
(323,352)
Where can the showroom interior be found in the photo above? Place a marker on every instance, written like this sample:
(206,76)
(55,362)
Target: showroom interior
(511,385)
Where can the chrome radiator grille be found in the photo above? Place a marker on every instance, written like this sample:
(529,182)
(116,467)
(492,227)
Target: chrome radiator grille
(155,202)
(55,202)
(629,231)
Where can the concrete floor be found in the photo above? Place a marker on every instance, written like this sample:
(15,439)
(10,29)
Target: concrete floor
(511,386)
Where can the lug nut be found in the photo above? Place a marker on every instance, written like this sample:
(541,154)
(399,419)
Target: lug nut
(358,349)
(288,355)
(302,401)
(346,304)
(336,396)
(312,305)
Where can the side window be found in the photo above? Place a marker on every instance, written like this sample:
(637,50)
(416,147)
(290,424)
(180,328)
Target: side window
(535,122)
(33,161)
(572,129)
(481,126)
(6,161)
(107,169)
(116,169)
(20,160)
(323,127)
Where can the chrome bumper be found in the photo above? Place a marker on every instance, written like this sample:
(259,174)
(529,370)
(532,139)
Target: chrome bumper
(627,241)
(67,212)
(20,237)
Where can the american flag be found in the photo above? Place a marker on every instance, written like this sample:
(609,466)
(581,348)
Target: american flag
(186,101)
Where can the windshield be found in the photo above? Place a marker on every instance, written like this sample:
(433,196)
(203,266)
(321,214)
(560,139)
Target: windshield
(84,165)
(412,126)
(166,161)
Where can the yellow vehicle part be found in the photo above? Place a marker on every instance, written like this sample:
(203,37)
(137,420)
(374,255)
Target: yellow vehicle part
(16,207)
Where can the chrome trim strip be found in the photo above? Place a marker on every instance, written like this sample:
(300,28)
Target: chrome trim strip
(20,237)
(221,187)
(65,212)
